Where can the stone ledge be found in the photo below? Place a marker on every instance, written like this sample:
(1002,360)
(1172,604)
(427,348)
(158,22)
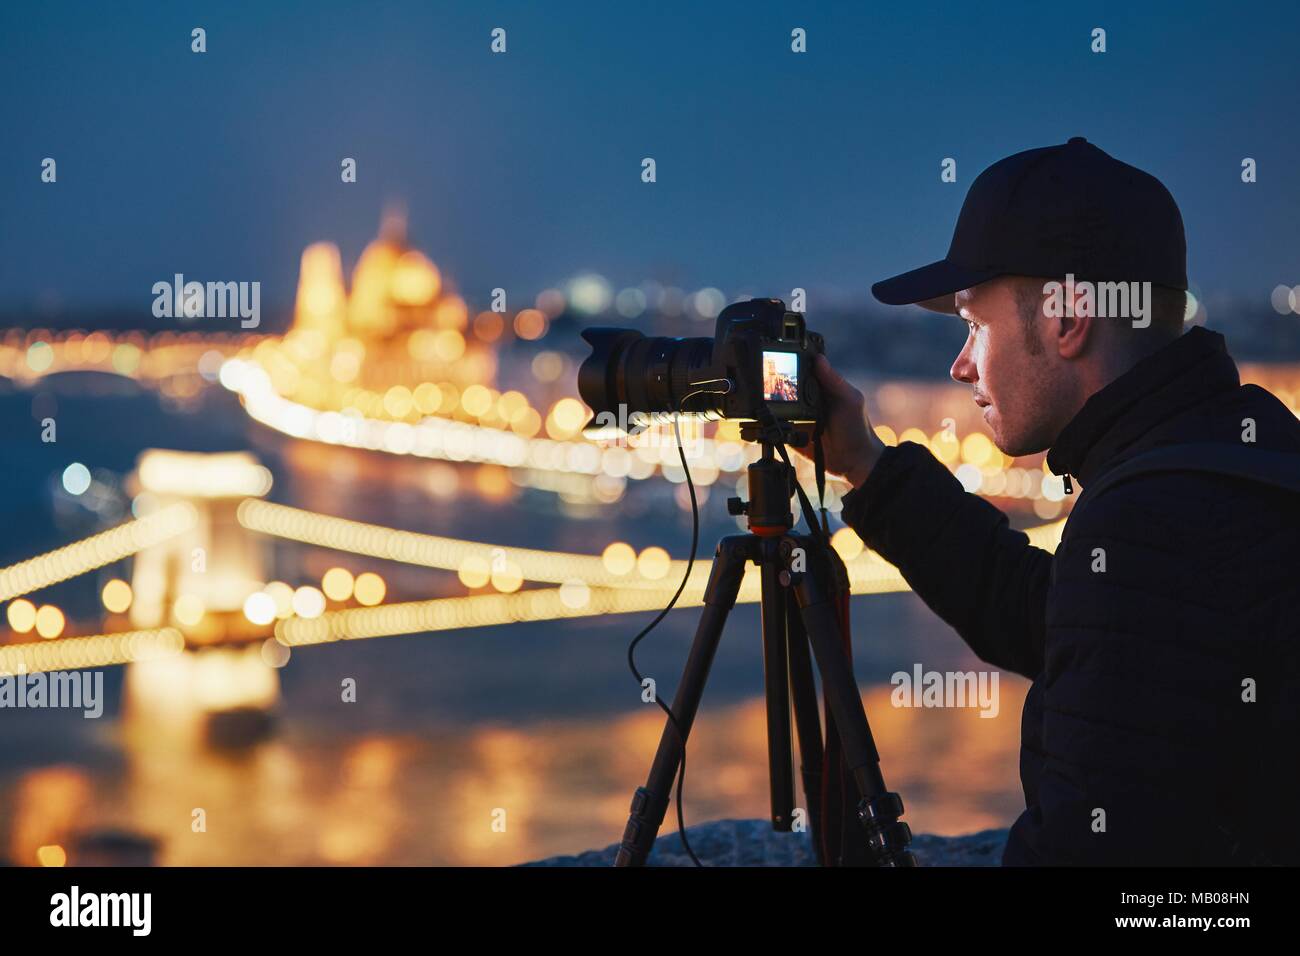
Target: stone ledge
(755,843)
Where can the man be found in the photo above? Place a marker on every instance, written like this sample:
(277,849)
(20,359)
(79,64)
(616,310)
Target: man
(1163,636)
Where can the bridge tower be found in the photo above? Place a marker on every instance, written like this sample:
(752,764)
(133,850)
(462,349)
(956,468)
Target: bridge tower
(223,688)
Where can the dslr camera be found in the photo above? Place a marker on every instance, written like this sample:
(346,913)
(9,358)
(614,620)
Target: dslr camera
(760,353)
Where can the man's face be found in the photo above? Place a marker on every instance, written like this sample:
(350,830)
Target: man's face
(1013,372)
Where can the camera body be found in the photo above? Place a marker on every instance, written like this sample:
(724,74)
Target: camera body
(761,338)
(760,353)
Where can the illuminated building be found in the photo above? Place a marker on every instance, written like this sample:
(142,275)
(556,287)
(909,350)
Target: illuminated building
(198,579)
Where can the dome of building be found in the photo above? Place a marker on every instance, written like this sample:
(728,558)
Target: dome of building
(394,287)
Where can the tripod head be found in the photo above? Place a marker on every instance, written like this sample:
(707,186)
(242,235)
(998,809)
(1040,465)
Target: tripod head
(772,480)
(773,432)
(771,483)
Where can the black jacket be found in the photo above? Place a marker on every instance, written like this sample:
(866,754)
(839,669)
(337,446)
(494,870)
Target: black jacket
(1139,670)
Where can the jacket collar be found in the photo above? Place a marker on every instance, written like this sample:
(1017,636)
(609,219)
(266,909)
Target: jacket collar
(1187,371)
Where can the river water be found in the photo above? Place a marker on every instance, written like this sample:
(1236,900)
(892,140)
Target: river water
(489,746)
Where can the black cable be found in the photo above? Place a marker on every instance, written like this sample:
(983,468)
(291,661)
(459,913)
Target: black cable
(631,661)
(818,531)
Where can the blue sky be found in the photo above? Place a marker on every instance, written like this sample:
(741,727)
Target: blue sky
(774,169)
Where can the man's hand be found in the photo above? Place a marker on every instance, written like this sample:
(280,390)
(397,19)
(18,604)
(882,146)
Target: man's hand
(850,444)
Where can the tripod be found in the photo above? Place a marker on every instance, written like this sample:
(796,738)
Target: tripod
(803,581)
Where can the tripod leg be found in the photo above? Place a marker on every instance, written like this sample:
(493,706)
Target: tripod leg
(807,722)
(651,801)
(776,678)
(879,810)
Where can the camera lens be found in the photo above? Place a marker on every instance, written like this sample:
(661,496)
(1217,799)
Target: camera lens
(654,374)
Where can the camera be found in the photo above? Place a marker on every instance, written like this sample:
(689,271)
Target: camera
(760,353)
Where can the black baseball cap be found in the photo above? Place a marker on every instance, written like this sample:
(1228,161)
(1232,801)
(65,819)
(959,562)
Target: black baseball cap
(1050,212)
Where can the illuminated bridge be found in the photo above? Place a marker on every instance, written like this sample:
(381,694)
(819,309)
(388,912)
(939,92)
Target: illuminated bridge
(397,367)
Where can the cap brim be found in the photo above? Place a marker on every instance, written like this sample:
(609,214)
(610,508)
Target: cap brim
(931,287)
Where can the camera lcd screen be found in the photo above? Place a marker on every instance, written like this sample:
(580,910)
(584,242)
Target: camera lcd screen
(780,376)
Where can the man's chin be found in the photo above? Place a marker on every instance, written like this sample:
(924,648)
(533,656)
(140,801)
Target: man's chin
(1013,446)
(994,426)
(1001,440)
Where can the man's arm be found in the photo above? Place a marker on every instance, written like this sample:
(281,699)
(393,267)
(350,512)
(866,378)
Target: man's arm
(958,554)
(954,548)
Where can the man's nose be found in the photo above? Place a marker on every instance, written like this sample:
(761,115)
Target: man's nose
(963,370)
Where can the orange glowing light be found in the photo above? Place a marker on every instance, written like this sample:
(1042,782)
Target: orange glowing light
(22,615)
(488,326)
(369,589)
(530,324)
(337,584)
(49,621)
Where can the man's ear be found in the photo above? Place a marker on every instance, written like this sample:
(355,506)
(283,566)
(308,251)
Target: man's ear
(1078,322)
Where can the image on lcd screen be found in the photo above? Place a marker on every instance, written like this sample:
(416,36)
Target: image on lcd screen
(780,376)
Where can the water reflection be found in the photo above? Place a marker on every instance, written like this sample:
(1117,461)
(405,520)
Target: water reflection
(490,795)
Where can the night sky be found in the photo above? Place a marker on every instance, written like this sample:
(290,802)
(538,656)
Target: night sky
(775,169)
